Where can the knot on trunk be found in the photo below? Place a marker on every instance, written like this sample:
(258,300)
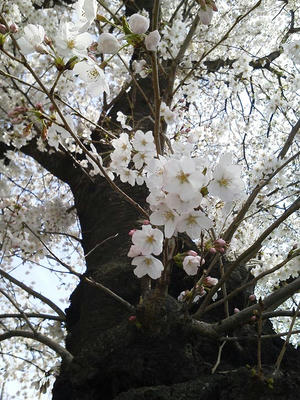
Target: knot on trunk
(157,315)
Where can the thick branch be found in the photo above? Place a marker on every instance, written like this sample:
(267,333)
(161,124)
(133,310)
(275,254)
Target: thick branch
(242,317)
(290,139)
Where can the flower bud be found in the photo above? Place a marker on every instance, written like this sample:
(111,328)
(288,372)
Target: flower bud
(210,281)
(236,310)
(39,106)
(13,28)
(152,40)
(3,29)
(132,318)
(108,44)
(192,253)
(253,318)
(48,41)
(138,23)
(220,242)
(146,222)
(252,297)
(93,47)
(212,250)
(131,232)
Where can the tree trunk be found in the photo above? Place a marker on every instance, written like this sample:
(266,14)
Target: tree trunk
(115,358)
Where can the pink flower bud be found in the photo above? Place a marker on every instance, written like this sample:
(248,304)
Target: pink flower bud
(212,250)
(3,29)
(132,318)
(47,41)
(253,318)
(93,46)
(221,250)
(146,222)
(252,297)
(236,310)
(192,253)
(39,106)
(20,109)
(16,121)
(13,28)
(210,281)
(220,242)
(131,232)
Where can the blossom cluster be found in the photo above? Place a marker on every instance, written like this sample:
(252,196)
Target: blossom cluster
(177,186)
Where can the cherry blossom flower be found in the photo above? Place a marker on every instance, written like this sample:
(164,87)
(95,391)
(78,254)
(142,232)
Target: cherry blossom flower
(140,67)
(128,175)
(227,184)
(183,178)
(138,23)
(147,265)
(119,160)
(122,144)
(170,117)
(143,141)
(108,44)
(167,217)
(149,240)
(122,119)
(193,223)
(69,42)
(191,263)
(134,251)
(86,11)
(141,158)
(32,40)
(152,40)
(93,76)
(174,201)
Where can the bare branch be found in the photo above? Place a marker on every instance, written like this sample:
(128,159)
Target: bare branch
(273,300)
(61,351)
(33,293)
(34,315)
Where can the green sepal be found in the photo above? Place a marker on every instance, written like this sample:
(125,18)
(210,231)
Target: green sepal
(71,63)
